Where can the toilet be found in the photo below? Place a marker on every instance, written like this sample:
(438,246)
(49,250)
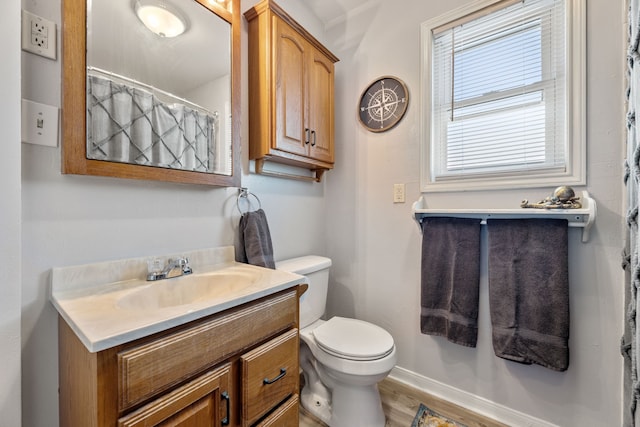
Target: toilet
(342,359)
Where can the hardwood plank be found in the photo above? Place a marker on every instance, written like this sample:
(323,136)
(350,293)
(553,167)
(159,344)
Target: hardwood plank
(308,420)
(401,402)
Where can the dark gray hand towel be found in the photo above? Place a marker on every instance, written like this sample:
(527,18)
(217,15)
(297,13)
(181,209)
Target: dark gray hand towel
(450,278)
(529,291)
(254,240)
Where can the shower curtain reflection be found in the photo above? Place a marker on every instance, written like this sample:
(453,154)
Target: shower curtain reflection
(130,124)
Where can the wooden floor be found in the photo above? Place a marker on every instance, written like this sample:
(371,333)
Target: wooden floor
(401,402)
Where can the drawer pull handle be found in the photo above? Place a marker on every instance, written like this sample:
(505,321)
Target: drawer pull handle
(313,134)
(307,134)
(283,372)
(225,396)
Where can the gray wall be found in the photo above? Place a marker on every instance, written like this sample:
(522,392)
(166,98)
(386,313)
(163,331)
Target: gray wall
(10,288)
(376,246)
(68,220)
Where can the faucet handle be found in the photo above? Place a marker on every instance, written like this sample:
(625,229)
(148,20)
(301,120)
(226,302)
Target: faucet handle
(154,269)
(184,264)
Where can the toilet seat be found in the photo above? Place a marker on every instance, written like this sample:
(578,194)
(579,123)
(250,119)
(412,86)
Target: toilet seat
(353,339)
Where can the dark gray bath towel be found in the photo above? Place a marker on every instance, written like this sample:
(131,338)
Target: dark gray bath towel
(450,278)
(254,240)
(529,291)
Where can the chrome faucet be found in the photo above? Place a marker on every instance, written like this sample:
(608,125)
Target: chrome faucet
(174,268)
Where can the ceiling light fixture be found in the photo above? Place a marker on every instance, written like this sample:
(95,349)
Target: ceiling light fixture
(222,3)
(160,17)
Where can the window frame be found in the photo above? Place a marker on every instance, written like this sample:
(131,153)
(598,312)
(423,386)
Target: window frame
(575,109)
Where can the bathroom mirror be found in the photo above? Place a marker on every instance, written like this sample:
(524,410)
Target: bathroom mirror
(155,106)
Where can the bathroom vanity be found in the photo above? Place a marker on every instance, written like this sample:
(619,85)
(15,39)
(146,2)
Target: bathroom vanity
(228,358)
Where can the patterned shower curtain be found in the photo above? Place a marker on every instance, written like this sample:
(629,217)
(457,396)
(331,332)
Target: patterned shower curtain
(131,125)
(631,261)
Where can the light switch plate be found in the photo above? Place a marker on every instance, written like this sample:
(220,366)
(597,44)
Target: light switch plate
(398,193)
(39,123)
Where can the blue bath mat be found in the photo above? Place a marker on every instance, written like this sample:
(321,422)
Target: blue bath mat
(426,417)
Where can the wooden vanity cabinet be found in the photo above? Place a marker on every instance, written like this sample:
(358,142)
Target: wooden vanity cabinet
(236,368)
(291,93)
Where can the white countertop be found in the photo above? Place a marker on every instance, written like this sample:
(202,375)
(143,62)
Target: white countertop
(90,297)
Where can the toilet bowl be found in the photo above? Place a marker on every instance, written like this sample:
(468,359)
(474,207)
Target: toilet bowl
(342,359)
(347,392)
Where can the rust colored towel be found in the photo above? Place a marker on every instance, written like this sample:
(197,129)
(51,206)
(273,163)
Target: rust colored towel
(529,291)
(450,278)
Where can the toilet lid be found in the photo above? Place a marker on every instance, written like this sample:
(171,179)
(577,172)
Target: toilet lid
(353,339)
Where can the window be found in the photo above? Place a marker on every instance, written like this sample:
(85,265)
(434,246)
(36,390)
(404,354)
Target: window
(503,88)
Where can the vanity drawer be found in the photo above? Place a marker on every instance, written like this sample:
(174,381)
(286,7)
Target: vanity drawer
(153,367)
(287,415)
(269,375)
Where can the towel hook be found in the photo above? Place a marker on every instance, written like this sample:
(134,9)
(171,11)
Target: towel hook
(244,193)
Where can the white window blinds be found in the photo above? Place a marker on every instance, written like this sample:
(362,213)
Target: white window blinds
(498,92)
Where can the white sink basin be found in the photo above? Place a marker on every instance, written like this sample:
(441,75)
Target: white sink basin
(109,303)
(188,289)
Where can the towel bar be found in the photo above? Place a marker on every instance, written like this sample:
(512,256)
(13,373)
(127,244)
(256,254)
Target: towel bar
(583,218)
(244,193)
(259,168)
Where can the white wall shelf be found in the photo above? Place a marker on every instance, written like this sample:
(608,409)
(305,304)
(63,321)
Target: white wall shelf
(583,218)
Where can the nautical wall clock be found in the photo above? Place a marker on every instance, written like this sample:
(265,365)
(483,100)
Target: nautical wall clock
(383,104)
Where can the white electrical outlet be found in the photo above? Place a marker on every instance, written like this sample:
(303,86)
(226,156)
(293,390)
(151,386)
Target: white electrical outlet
(398,193)
(39,123)
(38,35)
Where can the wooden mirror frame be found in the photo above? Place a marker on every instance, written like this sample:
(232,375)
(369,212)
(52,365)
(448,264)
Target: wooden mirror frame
(74,98)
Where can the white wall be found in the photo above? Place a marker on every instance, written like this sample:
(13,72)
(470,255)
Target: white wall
(375,245)
(10,388)
(69,220)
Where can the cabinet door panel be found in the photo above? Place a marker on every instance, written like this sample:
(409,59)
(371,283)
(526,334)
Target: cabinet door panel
(290,104)
(321,107)
(196,404)
(199,414)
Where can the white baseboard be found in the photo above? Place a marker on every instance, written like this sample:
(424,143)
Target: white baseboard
(467,400)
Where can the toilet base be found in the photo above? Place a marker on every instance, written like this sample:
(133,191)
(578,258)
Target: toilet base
(346,410)
(348,405)
(316,405)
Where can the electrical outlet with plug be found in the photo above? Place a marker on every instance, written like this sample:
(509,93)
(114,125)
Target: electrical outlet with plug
(38,35)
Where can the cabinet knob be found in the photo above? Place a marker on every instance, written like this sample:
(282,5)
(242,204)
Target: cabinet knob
(313,136)
(307,137)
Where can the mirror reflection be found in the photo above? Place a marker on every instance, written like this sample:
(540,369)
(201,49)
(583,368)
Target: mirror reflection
(159,96)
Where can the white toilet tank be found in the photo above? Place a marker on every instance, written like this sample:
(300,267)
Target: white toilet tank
(316,269)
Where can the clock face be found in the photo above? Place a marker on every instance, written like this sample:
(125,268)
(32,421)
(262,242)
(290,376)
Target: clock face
(383,104)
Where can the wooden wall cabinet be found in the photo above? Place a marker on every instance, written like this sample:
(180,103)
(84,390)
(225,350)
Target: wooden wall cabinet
(235,368)
(291,93)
